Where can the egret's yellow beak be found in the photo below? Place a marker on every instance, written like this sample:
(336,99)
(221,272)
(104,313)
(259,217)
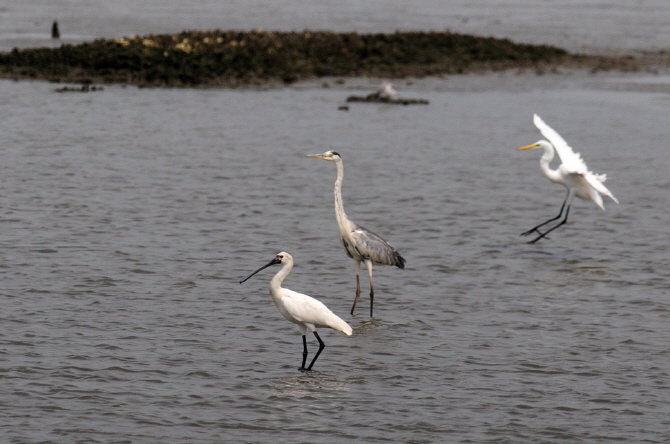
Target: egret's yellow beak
(317,156)
(527,147)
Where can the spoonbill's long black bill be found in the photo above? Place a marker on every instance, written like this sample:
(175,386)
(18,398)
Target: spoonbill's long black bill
(272,262)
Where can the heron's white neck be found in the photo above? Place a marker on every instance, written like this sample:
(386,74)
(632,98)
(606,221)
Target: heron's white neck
(275,283)
(546,158)
(342,220)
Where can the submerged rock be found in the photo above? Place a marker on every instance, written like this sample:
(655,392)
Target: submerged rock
(376,98)
(82,88)
(386,93)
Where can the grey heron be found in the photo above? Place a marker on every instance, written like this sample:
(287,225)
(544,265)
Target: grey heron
(305,311)
(361,244)
(572,173)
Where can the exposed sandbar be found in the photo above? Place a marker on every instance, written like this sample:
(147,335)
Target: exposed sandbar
(251,58)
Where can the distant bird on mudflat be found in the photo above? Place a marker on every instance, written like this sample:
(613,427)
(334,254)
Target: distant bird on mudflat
(361,244)
(305,311)
(572,174)
(386,91)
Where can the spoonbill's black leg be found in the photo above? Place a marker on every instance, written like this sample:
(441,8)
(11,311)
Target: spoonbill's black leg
(304,353)
(321,347)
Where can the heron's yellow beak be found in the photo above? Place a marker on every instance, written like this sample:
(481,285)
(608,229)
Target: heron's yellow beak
(527,147)
(317,156)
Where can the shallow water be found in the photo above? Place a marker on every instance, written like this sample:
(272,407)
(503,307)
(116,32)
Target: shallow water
(576,25)
(128,216)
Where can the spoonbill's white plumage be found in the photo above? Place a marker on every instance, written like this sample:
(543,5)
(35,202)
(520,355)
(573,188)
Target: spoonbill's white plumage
(305,311)
(572,173)
(361,244)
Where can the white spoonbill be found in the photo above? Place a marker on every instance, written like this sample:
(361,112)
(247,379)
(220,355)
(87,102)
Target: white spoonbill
(361,244)
(299,308)
(572,173)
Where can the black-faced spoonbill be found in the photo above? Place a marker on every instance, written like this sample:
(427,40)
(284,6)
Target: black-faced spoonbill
(299,308)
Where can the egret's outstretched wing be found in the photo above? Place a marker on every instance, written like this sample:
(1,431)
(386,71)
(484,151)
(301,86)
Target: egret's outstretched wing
(572,161)
(596,181)
(373,247)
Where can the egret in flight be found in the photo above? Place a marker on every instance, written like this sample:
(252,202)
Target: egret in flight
(361,244)
(572,174)
(299,308)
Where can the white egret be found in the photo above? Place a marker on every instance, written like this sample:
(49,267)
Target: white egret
(572,174)
(305,311)
(386,91)
(361,244)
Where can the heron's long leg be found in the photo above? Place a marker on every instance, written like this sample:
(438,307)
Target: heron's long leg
(535,229)
(321,347)
(552,228)
(368,263)
(357,267)
(304,352)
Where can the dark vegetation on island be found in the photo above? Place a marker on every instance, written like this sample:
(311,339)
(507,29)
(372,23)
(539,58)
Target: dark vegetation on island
(250,58)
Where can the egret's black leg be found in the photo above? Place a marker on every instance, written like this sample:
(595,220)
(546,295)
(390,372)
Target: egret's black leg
(304,353)
(535,229)
(321,347)
(552,228)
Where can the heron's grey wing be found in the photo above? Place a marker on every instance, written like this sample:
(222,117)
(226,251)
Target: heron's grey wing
(572,161)
(348,247)
(373,247)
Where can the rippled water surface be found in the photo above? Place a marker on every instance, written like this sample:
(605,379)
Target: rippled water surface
(577,25)
(128,215)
